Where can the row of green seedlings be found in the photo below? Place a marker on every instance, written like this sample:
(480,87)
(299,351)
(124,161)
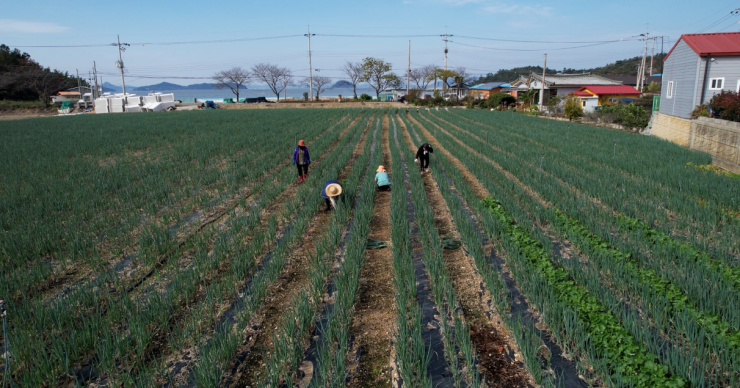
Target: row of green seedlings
(334,340)
(526,335)
(672,203)
(72,335)
(709,285)
(575,316)
(130,196)
(699,335)
(288,343)
(681,263)
(688,215)
(667,161)
(154,241)
(221,346)
(412,357)
(456,332)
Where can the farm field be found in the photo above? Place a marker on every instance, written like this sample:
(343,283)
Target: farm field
(180,250)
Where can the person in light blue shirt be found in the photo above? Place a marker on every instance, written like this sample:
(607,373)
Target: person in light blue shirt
(381,178)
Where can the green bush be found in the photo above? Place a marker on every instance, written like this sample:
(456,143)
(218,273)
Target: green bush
(573,110)
(365,97)
(496,99)
(630,116)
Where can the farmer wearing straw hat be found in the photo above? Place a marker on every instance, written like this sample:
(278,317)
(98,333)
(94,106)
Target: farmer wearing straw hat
(330,192)
(381,178)
(301,159)
(422,156)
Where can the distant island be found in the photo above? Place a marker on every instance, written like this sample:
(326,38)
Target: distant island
(342,84)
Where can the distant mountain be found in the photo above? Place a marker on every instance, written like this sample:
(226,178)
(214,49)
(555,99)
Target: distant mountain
(203,86)
(160,86)
(624,67)
(342,84)
(109,87)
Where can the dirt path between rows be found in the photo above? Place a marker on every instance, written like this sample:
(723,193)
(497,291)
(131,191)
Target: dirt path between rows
(292,279)
(492,339)
(375,307)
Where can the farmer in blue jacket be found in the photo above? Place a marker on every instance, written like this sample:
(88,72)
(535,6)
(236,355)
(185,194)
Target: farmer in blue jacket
(301,159)
(381,178)
(330,192)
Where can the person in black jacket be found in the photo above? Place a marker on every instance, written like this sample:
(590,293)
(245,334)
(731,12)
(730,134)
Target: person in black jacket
(422,156)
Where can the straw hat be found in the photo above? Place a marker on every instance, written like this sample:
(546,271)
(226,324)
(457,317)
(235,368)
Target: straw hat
(333,189)
(301,143)
(381,168)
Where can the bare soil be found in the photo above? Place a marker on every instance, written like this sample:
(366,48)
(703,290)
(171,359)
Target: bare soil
(375,313)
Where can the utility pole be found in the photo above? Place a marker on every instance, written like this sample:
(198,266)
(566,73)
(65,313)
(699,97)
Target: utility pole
(310,69)
(641,74)
(79,88)
(119,64)
(652,54)
(285,87)
(542,87)
(95,74)
(408,72)
(446,38)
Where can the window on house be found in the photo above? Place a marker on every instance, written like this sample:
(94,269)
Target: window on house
(669,90)
(583,103)
(716,83)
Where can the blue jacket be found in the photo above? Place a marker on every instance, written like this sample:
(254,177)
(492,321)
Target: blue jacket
(323,191)
(295,155)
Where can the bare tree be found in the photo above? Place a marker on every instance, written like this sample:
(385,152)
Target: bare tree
(377,73)
(423,76)
(273,75)
(320,83)
(465,76)
(233,79)
(354,72)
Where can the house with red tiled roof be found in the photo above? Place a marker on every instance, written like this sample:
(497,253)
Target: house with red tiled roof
(697,67)
(593,96)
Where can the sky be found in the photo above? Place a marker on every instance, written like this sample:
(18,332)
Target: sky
(487,35)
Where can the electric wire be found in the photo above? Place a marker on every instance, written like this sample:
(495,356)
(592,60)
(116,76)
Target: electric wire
(542,49)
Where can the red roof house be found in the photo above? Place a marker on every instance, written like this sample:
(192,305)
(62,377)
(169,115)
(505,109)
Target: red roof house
(592,96)
(696,68)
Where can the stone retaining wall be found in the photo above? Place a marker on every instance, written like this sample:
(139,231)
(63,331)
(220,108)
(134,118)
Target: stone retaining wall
(718,138)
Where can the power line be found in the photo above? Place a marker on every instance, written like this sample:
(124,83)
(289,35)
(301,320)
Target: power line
(542,49)
(709,27)
(540,41)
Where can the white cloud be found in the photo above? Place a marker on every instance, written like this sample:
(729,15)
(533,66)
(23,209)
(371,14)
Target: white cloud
(11,25)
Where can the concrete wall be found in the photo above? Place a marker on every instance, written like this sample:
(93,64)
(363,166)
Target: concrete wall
(718,138)
(672,128)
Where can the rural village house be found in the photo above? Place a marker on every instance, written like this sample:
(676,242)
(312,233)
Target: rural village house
(563,84)
(483,91)
(696,68)
(592,96)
